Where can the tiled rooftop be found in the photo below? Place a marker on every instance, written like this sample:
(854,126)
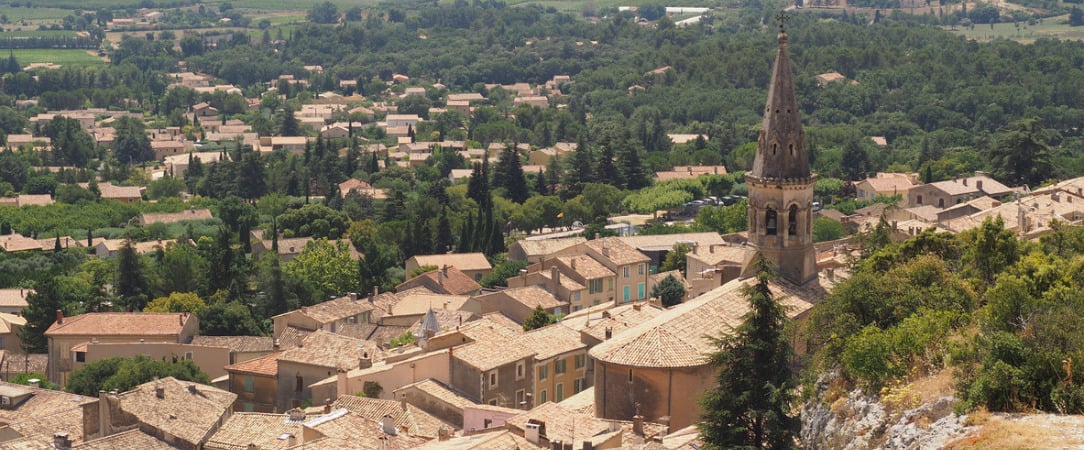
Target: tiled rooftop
(447,281)
(407,417)
(461,261)
(498,440)
(544,247)
(121,324)
(347,429)
(187,410)
(265,365)
(485,354)
(561,422)
(243,344)
(337,309)
(533,296)
(128,440)
(191,214)
(264,430)
(619,252)
(438,390)
(617,319)
(550,341)
(586,266)
(678,336)
(325,349)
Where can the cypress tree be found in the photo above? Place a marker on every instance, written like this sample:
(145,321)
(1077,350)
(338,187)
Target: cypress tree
(751,406)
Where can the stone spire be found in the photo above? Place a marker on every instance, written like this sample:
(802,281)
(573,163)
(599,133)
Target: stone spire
(780,183)
(781,149)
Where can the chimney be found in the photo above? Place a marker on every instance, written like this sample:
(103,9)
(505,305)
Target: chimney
(353,296)
(588,445)
(327,405)
(638,425)
(105,419)
(340,380)
(61,441)
(387,424)
(402,404)
(573,264)
(637,306)
(609,333)
(159,391)
(296,415)
(440,278)
(192,389)
(365,362)
(965,181)
(59,317)
(34,382)
(275,346)
(555,275)
(180,320)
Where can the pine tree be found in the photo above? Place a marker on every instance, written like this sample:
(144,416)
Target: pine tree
(509,175)
(466,234)
(751,406)
(40,313)
(540,183)
(290,126)
(581,169)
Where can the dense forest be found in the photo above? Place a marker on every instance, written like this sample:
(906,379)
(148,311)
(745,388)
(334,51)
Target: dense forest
(981,301)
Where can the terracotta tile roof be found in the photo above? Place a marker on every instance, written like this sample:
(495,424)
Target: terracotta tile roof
(109,191)
(545,247)
(444,281)
(717,254)
(291,337)
(619,252)
(121,324)
(264,430)
(617,319)
(38,429)
(49,244)
(344,429)
(678,336)
(325,349)
(127,440)
(41,402)
(486,354)
(187,410)
(440,391)
(415,421)
(338,309)
(494,327)
(264,366)
(416,302)
(586,266)
(8,323)
(14,297)
(550,341)
(34,199)
(581,403)
(18,243)
(891,182)
(461,261)
(244,344)
(668,241)
(496,440)
(533,296)
(560,422)
(449,319)
(191,214)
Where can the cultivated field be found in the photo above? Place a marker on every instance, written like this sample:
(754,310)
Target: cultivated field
(1051,27)
(64,57)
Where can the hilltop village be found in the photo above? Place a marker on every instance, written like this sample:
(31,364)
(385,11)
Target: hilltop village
(383,258)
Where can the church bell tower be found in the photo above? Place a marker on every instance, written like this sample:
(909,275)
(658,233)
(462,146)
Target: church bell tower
(780,183)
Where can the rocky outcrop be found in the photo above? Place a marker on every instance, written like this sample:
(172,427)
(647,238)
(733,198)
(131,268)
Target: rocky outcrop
(858,422)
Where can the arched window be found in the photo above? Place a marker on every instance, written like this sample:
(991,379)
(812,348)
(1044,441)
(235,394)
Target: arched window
(792,221)
(940,203)
(770,222)
(920,199)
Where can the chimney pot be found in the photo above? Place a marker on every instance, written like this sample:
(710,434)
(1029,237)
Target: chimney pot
(353,296)
(159,391)
(59,317)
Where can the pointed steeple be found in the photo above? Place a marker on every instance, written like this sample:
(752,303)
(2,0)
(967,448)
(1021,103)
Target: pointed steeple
(780,182)
(781,149)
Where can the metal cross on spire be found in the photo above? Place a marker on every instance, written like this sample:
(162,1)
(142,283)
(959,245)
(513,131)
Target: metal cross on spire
(782,18)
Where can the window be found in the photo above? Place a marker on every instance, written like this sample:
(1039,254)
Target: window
(543,372)
(249,407)
(577,385)
(487,422)
(542,397)
(520,370)
(478,277)
(640,291)
(579,361)
(769,221)
(299,383)
(626,271)
(594,286)
(493,378)
(188,355)
(521,401)
(80,356)
(249,383)
(792,221)
(559,366)
(492,402)
(559,393)
(626,296)
(919,200)
(579,294)
(640,269)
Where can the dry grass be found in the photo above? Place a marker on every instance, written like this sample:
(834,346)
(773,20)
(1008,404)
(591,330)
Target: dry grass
(1043,431)
(934,386)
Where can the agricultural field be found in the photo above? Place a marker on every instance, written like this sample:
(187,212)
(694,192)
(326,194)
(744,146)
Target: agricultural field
(64,57)
(1051,27)
(38,33)
(15,15)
